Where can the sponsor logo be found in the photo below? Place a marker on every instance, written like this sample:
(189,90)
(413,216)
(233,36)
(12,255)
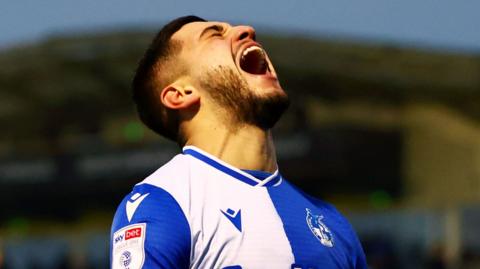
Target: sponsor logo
(319,229)
(133,233)
(119,238)
(128,234)
(128,248)
(235,217)
(132,206)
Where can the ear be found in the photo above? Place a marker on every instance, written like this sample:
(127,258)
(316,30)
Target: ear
(177,96)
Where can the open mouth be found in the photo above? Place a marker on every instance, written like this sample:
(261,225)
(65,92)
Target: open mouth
(254,61)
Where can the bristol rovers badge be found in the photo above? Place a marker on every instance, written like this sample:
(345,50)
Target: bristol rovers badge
(319,229)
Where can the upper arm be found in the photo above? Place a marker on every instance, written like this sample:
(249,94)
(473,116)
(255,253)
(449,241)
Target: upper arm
(150,230)
(361,261)
(355,249)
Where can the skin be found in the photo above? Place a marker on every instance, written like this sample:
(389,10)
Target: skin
(203,122)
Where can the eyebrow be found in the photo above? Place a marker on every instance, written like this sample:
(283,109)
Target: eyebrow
(216,27)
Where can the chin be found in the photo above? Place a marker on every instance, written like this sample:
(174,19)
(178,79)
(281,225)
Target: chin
(270,91)
(269,107)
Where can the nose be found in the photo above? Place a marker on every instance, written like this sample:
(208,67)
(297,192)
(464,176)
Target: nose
(243,32)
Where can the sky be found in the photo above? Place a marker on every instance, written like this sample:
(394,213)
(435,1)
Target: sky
(438,24)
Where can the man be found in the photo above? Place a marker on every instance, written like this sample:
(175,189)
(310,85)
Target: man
(222,203)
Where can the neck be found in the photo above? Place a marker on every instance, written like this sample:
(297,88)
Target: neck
(248,147)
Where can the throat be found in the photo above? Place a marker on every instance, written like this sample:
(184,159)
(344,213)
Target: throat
(246,149)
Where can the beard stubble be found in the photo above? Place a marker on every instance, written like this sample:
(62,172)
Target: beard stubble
(231,92)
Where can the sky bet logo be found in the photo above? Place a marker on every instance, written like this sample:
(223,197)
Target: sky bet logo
(129,234)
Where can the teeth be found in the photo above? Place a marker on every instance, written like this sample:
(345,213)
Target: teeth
(252,48)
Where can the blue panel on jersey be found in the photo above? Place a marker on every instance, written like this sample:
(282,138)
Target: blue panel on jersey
(319,236)
(257,173)
(167,242)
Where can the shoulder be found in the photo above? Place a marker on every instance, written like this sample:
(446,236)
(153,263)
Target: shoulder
(343,229)
(326,208)
(334,217)
(152,214)
(330,212)
(177,169)
(154,192)
(150,230)
(142,201)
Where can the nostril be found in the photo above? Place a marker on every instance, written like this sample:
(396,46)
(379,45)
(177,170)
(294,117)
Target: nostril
(243,35)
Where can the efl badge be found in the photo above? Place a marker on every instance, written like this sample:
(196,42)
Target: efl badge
(319,229)
(128,250)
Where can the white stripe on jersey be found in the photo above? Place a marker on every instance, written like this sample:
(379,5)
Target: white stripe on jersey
(202,192)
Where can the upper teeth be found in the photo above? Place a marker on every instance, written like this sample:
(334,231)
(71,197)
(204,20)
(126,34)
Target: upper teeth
(252,48)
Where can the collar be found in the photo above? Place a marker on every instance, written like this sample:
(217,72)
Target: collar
(274,180)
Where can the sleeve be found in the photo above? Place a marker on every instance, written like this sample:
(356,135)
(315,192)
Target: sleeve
(357,255)
(360,261)
(149,230)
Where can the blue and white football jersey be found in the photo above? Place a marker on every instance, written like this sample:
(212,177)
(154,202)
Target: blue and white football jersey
(197,211)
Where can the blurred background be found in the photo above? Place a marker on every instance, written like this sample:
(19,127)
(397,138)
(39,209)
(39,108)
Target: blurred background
(384,122)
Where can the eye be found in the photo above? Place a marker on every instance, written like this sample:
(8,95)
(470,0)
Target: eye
(216,33)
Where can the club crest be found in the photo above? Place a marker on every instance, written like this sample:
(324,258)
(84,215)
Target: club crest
(125,259)
(319,229)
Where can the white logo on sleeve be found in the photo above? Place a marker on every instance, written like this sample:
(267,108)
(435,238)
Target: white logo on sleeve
(132,206)
(128,250)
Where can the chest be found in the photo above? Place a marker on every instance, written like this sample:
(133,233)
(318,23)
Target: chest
(234,225)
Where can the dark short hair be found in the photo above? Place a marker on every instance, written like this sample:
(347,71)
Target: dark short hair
(152,69)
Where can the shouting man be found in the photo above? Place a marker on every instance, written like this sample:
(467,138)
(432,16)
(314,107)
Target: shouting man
(222,202)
